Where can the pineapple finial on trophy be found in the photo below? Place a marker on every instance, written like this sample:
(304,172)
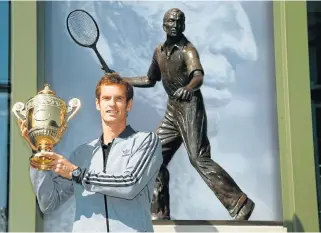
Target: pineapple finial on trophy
(47,90)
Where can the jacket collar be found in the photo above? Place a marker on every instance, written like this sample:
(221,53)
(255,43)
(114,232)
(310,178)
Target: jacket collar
(127,132)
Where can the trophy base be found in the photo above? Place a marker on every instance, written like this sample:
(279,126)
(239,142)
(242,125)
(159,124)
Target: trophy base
(41,162)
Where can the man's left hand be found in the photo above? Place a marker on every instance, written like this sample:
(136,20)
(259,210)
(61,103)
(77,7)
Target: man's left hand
(184,93)
(61,166)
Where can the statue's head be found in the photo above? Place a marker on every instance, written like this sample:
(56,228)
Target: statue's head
(174,22)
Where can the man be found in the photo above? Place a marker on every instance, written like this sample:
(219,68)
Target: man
(112,178)
(176,62)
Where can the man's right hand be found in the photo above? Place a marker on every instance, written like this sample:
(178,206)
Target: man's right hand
(24,133)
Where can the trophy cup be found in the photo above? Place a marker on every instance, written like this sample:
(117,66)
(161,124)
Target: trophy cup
(46,118)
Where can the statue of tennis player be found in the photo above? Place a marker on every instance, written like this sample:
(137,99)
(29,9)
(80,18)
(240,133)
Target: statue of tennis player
(176,62)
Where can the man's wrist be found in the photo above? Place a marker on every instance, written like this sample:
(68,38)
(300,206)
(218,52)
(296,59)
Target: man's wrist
(78,174)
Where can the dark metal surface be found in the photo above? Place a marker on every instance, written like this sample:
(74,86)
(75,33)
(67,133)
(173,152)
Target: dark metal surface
(177,64)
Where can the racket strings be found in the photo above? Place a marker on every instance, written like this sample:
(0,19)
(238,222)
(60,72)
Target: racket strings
(82,28)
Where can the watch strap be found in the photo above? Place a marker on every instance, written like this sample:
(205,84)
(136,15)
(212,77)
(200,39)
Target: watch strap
(78,179)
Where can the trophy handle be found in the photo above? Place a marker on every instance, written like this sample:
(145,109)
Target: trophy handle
(19,111)
(75,104)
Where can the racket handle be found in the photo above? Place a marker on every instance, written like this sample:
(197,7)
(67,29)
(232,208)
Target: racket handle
(102,62)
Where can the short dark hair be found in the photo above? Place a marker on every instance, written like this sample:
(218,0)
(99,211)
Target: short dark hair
(115,79)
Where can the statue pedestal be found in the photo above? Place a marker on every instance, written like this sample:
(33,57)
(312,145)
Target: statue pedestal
(217,226)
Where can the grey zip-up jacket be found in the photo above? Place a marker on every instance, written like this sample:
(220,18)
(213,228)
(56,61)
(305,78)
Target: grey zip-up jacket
(125,190)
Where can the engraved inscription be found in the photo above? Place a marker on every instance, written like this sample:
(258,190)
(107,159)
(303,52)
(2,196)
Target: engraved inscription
(41,115)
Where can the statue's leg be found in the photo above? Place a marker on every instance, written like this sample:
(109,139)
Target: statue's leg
(171,141)
(193,126)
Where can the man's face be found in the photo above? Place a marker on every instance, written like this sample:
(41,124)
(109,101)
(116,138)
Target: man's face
(173,25)
(112,104)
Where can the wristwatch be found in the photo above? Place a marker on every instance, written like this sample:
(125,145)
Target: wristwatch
(76,174)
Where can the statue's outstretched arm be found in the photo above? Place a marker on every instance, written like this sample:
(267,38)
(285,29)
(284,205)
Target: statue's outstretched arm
(140,81)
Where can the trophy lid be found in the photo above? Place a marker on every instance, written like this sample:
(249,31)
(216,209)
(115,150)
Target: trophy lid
(47,90)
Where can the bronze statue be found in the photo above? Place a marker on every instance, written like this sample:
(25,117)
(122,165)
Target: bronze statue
(176,62)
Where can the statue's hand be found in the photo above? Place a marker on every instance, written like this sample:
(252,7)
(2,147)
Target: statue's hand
(184,93)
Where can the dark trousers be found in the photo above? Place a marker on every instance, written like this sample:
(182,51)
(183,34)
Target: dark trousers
(185,122)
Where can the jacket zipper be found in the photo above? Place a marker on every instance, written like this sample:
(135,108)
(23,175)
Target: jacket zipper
(106,210)
(107,220)
(104,170)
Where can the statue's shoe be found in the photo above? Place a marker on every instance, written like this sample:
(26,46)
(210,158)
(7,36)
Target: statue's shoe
(246,211)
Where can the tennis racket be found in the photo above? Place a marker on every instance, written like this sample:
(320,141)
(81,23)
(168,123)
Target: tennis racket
(84,30)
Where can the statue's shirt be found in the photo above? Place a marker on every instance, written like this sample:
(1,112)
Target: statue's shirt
(176,66)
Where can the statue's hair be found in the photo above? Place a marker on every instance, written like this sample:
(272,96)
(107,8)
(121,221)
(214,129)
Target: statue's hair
(178,11)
